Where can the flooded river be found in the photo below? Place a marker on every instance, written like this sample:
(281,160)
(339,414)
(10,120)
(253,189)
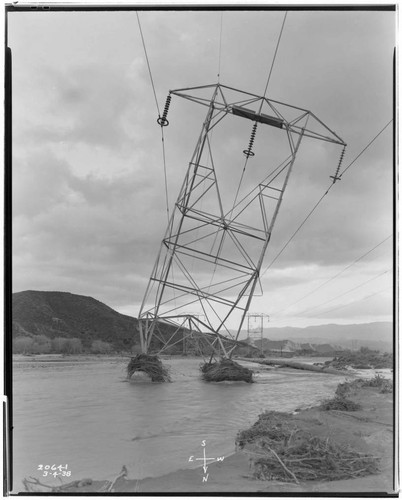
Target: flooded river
(86,415)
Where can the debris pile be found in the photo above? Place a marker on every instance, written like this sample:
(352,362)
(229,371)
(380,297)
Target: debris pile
(378,381)
(226,370)
(150,365)
(385,385)
(282,452)
(363,359)
(340,403)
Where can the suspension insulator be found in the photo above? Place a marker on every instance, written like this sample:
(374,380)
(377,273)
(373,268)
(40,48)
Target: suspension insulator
(336,177)
(249,152)
(162,120)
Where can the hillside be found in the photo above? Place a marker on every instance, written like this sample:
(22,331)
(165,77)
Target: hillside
(43,317)
(63,314)
(67,315)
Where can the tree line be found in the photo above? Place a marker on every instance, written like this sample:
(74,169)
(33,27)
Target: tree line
(40,344)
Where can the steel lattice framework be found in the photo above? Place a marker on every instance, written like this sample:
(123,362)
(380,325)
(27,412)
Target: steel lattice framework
(212,252)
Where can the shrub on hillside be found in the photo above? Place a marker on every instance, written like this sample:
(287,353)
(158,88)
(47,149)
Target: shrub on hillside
(22,345)
(37,344)
(66,346)
(72,346)
(100,347)
(41,345)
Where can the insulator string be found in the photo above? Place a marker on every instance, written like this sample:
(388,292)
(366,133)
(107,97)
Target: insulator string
(162,120)
(249,152)
(336,177)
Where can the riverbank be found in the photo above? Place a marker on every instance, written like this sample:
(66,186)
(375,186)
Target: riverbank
(368,430)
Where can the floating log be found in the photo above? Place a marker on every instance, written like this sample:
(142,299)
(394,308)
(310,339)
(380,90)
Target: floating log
(296,364)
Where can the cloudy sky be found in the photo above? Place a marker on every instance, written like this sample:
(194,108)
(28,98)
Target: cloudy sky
(89,207)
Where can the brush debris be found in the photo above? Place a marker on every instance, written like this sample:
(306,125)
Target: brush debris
(226,370)
(279,451)
(150,365)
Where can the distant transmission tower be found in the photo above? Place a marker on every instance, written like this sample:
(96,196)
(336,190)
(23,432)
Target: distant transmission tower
(255,327)
(211,255)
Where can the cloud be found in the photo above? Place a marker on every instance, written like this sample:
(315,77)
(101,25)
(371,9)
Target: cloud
(89,172)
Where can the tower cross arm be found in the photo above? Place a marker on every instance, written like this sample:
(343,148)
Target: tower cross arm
(260,109)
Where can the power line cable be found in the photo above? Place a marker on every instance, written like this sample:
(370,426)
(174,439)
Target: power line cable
(165,175)
(345,293)
(368,145)
(249,153)
(220,47)
(336,275)
(276,51)
(297,230)
(359,300)
(159,115)
(320,200)
(149,67)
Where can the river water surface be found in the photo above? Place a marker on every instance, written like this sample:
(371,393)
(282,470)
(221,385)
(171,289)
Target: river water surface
(86,415)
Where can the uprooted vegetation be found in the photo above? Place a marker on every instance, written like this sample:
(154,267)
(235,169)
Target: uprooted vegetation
(363,359)
(280,451)
(340,403)
(384,385)
(226,370)
(150,365)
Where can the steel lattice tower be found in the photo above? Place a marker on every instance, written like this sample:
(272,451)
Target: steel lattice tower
(211,255)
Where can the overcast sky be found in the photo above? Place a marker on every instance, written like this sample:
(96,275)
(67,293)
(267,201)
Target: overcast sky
(89,208)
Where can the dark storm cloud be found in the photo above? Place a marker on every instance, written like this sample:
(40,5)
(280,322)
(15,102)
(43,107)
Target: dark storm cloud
(89,201)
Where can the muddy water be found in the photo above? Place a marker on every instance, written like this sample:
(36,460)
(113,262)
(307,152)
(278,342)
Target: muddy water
(86,415)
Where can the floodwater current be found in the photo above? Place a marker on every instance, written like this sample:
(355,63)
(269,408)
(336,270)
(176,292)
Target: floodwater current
(86,415)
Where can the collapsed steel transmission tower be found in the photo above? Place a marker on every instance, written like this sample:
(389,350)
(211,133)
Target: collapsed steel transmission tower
(213,249)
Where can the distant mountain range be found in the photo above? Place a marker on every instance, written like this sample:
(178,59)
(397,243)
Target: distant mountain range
(290,346)
(378,335)
(67,315)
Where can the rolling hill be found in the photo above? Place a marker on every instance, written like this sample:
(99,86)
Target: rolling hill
(63,314)
(67,315)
